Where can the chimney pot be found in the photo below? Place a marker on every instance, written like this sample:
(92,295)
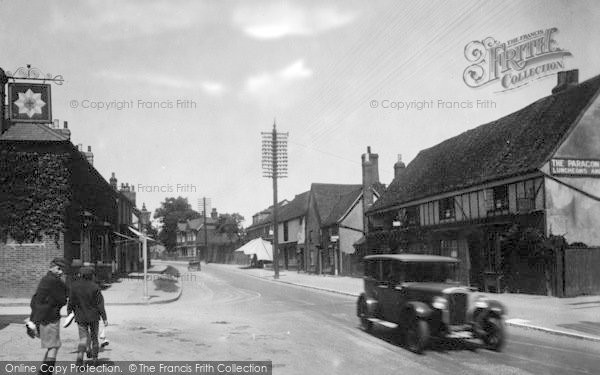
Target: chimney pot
(89,148)
(66,124)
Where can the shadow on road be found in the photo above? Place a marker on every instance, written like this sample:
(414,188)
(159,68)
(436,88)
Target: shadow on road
(5,320)
(436,344)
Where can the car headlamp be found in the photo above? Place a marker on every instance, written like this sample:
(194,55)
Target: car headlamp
(481,302)
(439,302)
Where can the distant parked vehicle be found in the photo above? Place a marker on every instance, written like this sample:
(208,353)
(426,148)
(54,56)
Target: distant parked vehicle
(194,265)
(418,295)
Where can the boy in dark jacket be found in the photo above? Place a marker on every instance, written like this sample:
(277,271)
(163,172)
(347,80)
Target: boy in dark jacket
(50,296)
(88,304)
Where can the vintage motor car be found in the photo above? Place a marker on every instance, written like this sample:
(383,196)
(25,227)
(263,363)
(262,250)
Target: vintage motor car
(418,295)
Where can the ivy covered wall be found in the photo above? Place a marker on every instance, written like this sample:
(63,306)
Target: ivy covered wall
(34,195)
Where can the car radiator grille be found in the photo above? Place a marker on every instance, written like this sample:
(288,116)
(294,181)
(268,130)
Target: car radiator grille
(457,306)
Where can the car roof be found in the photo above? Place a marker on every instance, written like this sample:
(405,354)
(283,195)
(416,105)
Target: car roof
(412,258)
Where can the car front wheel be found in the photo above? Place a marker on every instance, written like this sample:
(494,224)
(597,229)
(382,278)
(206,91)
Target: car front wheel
(417,335)
(494,333)
(363,316)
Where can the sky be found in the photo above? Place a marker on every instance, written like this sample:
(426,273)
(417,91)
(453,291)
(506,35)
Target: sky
(172,96)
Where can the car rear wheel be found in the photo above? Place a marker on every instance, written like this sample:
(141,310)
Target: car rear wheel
(494,336)
(363,315)
(417,335)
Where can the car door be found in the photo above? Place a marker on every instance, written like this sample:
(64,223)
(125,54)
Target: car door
(395,294)
(370,278)
(387,290)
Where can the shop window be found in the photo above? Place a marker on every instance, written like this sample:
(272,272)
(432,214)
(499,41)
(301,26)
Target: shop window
(447,208)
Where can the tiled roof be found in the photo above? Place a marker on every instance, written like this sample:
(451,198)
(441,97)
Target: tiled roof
(343,204)
(267,220)
(327,196)
(199,222)
(296,208)
(33,132)
(515,144)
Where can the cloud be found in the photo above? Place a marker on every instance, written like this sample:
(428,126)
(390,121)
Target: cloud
(272,83)
(213,88)
(119,19)
(278,20)
(165,82)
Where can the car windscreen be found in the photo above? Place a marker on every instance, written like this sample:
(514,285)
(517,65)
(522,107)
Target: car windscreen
(430,272)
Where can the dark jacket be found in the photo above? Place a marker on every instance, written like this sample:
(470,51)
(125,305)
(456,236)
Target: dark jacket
(50,296)
(86,301)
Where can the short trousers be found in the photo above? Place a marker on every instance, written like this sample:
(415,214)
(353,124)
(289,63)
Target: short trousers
(50,335)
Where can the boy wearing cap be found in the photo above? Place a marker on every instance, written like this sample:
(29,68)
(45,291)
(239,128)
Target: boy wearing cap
(88,304)
(49,298)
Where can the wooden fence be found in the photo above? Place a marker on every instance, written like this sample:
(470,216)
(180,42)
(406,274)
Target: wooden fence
(581,272)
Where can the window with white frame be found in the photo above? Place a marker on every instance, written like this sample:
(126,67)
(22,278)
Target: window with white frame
(447,208)
(500,196)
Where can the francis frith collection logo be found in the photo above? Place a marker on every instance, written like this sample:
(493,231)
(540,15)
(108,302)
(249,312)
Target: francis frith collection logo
(514,63)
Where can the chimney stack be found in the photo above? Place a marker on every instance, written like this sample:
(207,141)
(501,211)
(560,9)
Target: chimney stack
(89,155)
(398,167)
(128,192)
(370,177)
(113,181)
(65,130)
(565,80)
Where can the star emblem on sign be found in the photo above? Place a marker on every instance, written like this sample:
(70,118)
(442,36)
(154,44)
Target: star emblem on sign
(30,103)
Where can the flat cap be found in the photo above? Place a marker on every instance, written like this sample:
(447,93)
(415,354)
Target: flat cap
(61,262)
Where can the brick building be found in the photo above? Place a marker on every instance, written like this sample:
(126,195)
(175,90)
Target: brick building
(53,203)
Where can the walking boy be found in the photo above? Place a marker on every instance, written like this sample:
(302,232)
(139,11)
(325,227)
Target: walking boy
(50,296)
(88,304)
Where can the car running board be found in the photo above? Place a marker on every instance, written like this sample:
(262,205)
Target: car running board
(384,323)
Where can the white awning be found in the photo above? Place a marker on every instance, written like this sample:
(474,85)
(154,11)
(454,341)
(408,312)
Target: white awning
(140,234)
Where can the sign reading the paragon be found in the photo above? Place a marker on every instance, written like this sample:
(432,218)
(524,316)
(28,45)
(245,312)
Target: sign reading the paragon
(575,167)
(514,63)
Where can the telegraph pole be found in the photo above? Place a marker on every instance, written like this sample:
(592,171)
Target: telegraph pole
(3,82)
(205,230)
(274,162)
(275,222)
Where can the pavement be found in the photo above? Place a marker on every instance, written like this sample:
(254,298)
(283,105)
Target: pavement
(577,317)
(129,290)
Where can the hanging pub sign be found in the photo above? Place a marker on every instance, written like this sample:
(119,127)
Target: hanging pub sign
(29,102)
(575,167)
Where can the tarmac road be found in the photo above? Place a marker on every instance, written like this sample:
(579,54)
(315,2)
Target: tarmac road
(228,316)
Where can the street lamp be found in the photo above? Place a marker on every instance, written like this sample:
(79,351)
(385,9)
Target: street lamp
(144,220)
